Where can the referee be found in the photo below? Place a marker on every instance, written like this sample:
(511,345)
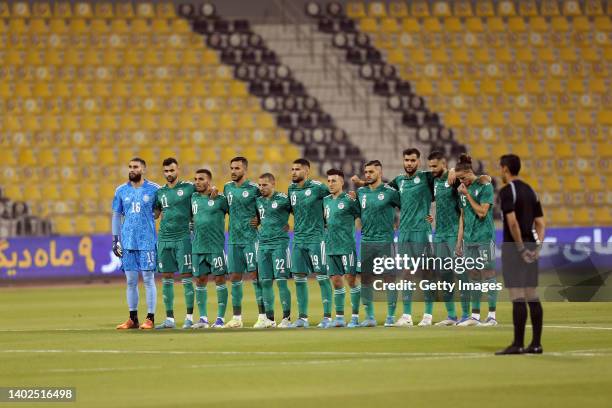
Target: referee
(522,213)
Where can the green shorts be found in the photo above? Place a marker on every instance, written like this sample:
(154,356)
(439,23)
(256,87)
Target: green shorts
(174,256)
(242,258)
(308,258)
(273,263)
(444,247)
(341,264)
(486,251)
(205,264)
(415,243)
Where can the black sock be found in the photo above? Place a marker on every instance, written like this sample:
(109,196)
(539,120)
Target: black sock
(134,315)
(537,316)
(170,313)
(327,315)
(286,314)
(151,316)
(519,319)
(190,310)
(237,310)
(261,308)
(270,315)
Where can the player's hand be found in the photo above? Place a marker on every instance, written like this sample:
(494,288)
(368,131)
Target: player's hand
(459,249)
(117,248)
(357,181)
(254,222)
(352,194)
(214,192)
(452,176)
(462,189)
(528,256)
(485,179)
(429,218)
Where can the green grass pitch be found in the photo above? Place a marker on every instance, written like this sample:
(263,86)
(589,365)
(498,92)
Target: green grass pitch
(65,336)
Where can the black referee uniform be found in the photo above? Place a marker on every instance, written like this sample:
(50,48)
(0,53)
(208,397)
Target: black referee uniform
(518,197)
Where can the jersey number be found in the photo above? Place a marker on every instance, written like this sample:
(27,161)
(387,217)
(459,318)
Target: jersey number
(230,196)
(327,212)
(164,201)
(293,199)
(261,213)
(218,262)
(463,202)
(194,208)
(187,260)
(363,202)
(249,257)
(280,264)
(135,207)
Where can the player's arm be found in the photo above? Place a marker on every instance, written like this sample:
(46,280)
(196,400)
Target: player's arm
(459,245)
(484,179)
(540,228)
(116,222)
(255,221)
(480,209)
(507,204)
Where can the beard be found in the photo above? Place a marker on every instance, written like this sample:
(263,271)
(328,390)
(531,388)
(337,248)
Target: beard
(297,179)
(135,177)
(170,179)
(410,171)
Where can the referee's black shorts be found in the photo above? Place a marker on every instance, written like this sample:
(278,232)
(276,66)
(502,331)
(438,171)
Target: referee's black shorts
(518,273)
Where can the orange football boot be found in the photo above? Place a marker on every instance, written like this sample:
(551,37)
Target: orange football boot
(129,324)
(147,325)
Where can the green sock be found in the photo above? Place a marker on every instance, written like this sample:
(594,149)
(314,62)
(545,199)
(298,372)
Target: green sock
(339,296)
(301,290)
(429,297)
(221,300)
(492,293)
(237,297)
(391,302)
(355,298)
(475,296)
(407,301)
(285,296)
(189,294)
(201,295)
(258,293)
(366,299)
(168,294)
(267,291)
(464,296)
(448,296)
(326,294)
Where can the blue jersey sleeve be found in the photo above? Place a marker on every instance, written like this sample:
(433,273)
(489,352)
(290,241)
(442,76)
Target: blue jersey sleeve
(117,202)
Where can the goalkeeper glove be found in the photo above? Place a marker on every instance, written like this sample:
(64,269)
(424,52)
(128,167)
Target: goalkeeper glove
(117,248)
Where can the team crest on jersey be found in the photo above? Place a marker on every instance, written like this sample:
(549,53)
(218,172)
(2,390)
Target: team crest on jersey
(417,180)
(145,198)
(245,194)
(179,193)
(340,206)
(381,196)
(308,193)
(211,203)
(274,204)
(128,199)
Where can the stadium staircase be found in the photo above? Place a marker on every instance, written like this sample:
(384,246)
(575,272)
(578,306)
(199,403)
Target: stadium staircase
(528,77)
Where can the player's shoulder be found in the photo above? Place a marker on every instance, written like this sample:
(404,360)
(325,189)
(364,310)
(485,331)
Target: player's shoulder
(253,184)
(121,187)
(388,187)
(316,183)
(282,195)
(292,186)
(152,185)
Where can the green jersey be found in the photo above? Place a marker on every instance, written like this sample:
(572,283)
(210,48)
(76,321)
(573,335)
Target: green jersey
(175,206)
(340,215)
(273,216)
(416,195)
(378,212)
(242,209)
(307,206)
(208,223)
(447,207)
(476,229)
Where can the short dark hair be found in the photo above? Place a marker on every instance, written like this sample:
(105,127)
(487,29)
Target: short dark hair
(169,161)
(268,176)
(335,172)
(302,162)
(373,163)
(411,150)
(465,163)
(512,162)
(141,161)
(240,159)
(204,171)
(435,155)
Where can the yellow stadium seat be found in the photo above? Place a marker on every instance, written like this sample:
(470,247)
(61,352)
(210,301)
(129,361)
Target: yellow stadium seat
(604,117)
(564,151)
(99,26)
(160,25)
(4,10)
(265,121)
(542,150)
(389,25)
(21,9)
(549,8)
(581,24)
(441,9)
(432,24)
(506,8)
(355,9)
(63,225)
(593,8)
(603,216)
(517,24)
(582,216)
(419,8)
(62,9)
(453,24)
(119,25)
(518,118)
(145,10)
(571,8)
(559,24)
(398,9)
(165,10)
(27,157)
(179,26)
(568,54)
(585,150)
(410,25)
(603,23)
(496,24)
(474,24)
(368,25)
(41,9)
(463,8)
(101,224)
(485,8)
(124,10)
(83,10)
(377,9)
(103,10)
(83,224)
(18,26)
(584,118)
(538,24)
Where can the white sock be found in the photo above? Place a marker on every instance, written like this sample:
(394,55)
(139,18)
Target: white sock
(491,315)
(427,316)
(239,317)
(339,316)
(262,315)
(476,316)
(407,316)
(304,319)
(170,318)
(355,315)
(189,317)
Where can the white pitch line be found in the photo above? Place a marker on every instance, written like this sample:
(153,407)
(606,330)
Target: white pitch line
(99,369)
(576,327)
